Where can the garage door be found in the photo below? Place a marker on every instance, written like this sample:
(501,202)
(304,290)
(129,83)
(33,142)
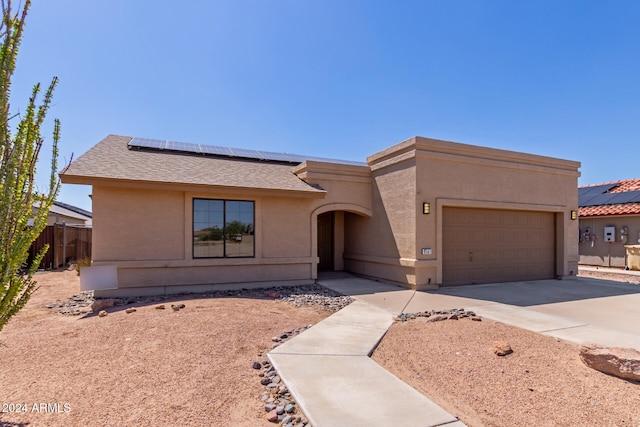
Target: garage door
(488,245)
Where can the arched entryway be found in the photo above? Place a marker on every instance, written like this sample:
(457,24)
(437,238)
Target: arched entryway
(329,234)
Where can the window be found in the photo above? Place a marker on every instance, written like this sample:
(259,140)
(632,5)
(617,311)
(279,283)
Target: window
(223,228)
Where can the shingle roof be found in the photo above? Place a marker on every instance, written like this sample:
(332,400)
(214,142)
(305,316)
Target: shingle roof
(111,159)
(588,208)
(72,208)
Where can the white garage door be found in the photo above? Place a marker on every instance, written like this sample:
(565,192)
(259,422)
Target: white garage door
(489,245)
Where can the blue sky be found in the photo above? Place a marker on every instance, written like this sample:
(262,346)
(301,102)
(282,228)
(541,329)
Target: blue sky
(342,79)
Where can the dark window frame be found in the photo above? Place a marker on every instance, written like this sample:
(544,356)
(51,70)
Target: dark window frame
(224,231)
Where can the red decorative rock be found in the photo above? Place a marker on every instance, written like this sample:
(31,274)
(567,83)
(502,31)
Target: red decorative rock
(101,304)
(272,416)
(502,348)
(619,362)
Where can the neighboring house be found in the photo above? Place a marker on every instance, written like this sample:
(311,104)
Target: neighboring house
(609,220)
(68,234)
(63,213)
(171,217)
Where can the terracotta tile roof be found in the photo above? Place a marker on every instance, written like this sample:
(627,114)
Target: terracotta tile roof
(623,186)
(610,210)
(626,185)
(111,159)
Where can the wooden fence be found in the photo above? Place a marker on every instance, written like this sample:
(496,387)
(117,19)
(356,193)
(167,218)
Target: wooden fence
(66,243)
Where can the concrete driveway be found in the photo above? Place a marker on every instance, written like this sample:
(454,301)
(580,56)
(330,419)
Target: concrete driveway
(577,310)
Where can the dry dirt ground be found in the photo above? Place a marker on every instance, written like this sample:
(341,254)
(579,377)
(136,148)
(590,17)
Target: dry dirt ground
(151,367)
(193,367)
(542,383)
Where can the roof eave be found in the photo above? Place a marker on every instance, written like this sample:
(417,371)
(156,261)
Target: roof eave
(114,182)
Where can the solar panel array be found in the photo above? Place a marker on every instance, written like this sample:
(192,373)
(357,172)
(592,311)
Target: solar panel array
(212,150)
(595,189)
(597,195)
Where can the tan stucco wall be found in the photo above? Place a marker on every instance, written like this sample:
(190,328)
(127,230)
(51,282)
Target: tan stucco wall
(608,254)
(379,246)
(451,174)
(285,229)
(147,234)
(137,225)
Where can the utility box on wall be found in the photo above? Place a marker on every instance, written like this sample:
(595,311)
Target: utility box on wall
(609,234)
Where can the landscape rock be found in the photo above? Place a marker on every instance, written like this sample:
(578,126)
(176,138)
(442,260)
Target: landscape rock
(177,307)
(256,365)
(101,304)
(437,318)
(438,315)
(102,313)
(276,396)
(502,348)
(130,310)
(619,362)
(272,416)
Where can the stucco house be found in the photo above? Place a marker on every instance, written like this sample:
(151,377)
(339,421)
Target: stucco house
(68,234)
(68,214)
(171,217)
(609,220)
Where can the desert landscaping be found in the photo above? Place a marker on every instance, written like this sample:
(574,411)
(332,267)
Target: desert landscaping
(196,365)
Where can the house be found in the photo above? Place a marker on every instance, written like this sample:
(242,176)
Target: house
(68,214)
(609,220)
(68,234)
(172,217)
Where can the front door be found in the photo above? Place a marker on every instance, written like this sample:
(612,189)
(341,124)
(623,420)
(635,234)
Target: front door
(325,241)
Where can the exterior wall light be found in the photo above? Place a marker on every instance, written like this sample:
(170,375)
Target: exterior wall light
(574,215)
(426,208)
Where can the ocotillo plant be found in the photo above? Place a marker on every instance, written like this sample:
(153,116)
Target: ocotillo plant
(23,209)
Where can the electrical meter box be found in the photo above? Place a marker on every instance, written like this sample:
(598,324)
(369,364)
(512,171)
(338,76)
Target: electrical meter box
(609,234)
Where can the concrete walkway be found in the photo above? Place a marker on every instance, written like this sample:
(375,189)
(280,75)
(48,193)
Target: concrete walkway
(329,372)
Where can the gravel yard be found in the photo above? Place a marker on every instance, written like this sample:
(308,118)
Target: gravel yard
(205,364)
(149,367)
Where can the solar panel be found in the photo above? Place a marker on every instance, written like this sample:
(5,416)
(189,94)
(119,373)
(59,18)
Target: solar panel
(148,143)
(627,197)
(185,147)
(595,189)
(610,199)
(601,199)
(583,200)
